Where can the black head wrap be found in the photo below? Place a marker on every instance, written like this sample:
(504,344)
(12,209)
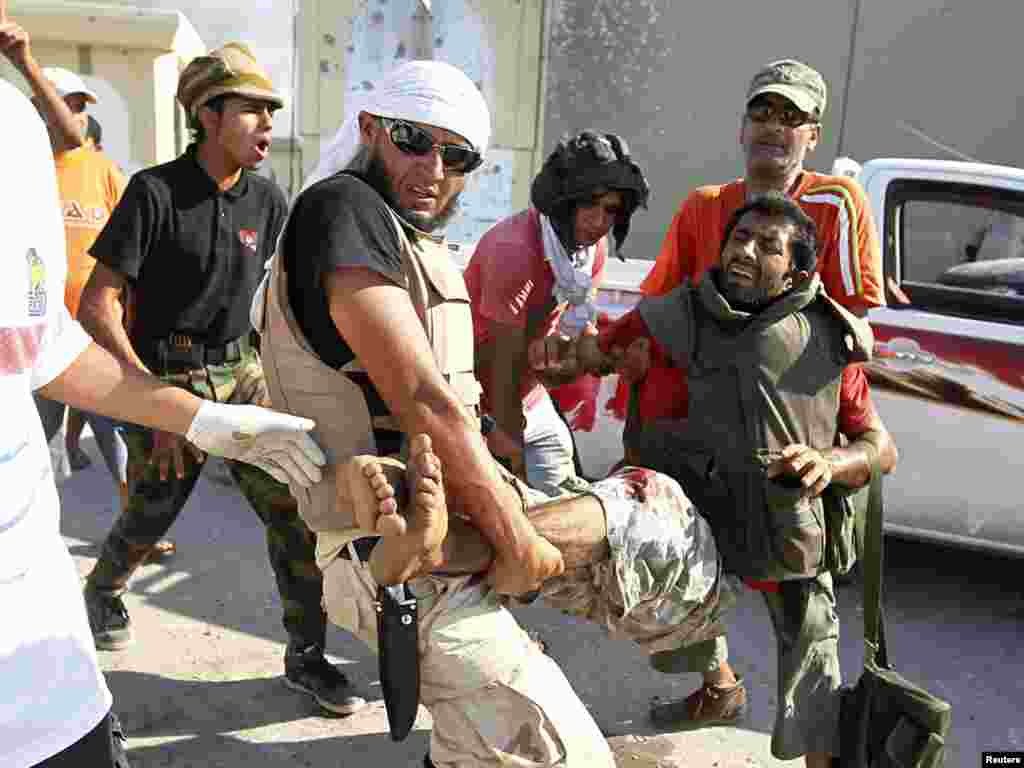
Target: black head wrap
(575,170)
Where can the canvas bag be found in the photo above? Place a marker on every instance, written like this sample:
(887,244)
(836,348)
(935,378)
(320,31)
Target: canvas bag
(886,721)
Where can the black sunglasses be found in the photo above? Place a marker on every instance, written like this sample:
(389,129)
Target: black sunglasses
(413,140)
(790,117)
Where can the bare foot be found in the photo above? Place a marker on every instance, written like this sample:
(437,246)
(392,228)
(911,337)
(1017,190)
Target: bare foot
(411,534)
(377,489)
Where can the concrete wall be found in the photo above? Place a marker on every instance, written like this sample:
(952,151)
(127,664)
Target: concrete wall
(938,79)
(670,77)
(930,78)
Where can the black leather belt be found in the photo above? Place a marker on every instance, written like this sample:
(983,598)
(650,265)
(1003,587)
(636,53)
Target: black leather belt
(183,352)
(363,547)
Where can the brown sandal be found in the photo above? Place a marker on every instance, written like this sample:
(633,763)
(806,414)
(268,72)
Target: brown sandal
(709,705)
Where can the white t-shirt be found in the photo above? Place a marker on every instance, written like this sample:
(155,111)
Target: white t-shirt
(52,691)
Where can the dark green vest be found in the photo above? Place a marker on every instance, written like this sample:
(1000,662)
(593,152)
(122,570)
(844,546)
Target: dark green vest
(757,383)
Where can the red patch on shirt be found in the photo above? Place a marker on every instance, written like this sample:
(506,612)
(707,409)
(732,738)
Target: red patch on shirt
(19,348)
(248,238)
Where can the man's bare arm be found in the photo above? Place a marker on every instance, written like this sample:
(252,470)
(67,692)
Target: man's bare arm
(563,359)
(98,382)
(380,324)
(277,443)
(14,42)
(507,358)
(101,313)
(848,465)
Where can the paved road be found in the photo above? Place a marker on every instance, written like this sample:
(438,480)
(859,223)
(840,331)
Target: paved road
(203,685)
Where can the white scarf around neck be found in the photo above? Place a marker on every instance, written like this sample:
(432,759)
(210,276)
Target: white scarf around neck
(574,280)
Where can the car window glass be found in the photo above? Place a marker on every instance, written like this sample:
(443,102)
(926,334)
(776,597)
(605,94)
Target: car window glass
(963,246)
(957,249)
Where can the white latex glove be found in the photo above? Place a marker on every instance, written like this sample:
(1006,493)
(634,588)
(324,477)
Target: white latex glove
(275,442)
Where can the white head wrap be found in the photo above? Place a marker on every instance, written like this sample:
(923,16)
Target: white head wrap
(429,92)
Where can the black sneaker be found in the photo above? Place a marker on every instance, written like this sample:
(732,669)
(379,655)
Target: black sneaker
(108,618)
(308,671)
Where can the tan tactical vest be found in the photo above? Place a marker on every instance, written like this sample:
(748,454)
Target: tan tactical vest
(339,401)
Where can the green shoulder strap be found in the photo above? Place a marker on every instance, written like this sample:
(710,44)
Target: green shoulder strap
(871,546)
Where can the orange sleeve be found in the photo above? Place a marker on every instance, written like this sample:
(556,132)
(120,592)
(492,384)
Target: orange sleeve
(676,257)
(850,260)
(869,255)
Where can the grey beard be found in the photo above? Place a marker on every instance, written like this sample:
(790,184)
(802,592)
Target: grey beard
(372,170)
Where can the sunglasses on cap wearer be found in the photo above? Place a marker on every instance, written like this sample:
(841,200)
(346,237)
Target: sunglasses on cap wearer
(788,116)
(413,140)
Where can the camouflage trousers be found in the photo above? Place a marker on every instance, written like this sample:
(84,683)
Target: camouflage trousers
(662,585)
(153,506)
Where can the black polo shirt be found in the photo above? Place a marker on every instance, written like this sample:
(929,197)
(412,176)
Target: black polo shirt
(194,255)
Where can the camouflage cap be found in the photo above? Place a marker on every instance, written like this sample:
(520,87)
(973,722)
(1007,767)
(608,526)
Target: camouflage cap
(229,69)
(793,80)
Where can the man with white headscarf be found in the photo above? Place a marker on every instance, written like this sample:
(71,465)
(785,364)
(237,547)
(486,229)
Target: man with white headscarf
(367,330)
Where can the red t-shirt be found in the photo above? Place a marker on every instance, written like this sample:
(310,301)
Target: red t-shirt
(855,405)
(508,277)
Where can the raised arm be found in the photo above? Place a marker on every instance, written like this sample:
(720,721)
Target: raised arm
(14,42)
(378,321)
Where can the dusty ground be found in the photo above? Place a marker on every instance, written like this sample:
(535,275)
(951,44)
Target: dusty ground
(203,684)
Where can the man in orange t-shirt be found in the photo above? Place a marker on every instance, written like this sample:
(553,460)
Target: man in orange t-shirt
(781,124)
(90,185)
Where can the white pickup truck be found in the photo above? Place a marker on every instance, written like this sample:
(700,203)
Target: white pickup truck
(948,374)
